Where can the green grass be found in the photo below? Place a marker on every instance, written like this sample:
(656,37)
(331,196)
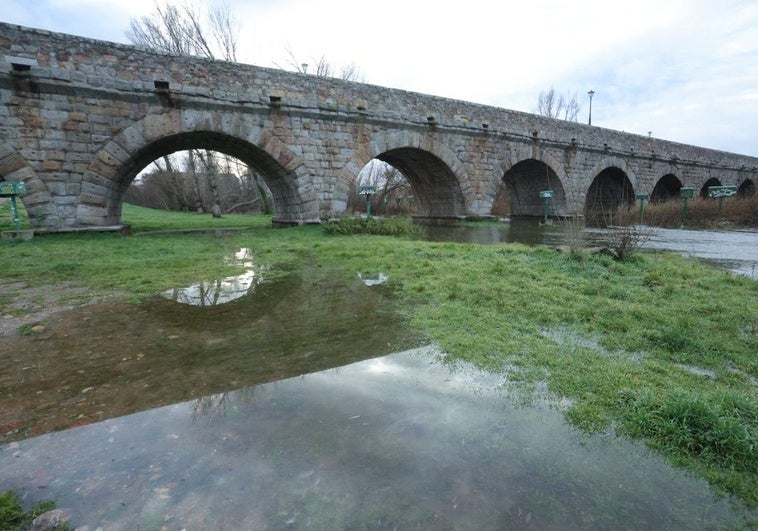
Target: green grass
(144,219)
(6,217)
(622,340)
(14,518)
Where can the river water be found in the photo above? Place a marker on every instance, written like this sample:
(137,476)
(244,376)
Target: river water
(735,251)
(307,402)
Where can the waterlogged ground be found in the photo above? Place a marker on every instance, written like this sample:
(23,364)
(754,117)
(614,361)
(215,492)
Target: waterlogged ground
(191,411)
(396,442)
(110,359)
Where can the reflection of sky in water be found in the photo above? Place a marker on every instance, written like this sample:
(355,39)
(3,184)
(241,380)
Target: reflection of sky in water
(215,292)
(402,441)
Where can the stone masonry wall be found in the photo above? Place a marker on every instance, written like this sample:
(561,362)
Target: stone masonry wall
(79,121)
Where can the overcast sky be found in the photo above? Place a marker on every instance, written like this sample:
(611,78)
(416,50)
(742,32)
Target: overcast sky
(685,70)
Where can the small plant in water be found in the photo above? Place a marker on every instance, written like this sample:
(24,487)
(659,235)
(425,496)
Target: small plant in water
(394,226)
(625,241)
(14,518)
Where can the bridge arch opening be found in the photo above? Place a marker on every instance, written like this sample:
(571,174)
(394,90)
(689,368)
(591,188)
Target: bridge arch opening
(747,189)
(710,182)
(435,190)
(609,191)
(279,185)
(520,187)
(394,195)
(666,188)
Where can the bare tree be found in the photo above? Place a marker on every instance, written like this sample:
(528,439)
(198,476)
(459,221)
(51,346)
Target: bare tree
(558,106)
(182,30)
(321,67)
(393,191)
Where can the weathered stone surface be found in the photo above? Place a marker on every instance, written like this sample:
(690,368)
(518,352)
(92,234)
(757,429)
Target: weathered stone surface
(51,520)
(90,124)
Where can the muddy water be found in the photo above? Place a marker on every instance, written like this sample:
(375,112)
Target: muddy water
(112,359)
(397,442)
(735,251)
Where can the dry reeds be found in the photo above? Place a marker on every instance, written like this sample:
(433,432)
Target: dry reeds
(701,213)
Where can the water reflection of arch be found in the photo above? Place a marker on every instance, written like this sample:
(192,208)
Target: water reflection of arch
(612,187)
(439,180)
(116,165)
(666,188)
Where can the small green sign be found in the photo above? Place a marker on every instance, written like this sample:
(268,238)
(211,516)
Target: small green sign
(686,193)
(546,193)
(9,188)
(722,191)
(367,190)
(643,197)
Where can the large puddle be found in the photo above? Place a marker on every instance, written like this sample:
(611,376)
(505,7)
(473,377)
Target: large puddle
(396,442)
(107,360)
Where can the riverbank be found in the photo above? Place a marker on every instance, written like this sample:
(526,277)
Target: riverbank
(658,347)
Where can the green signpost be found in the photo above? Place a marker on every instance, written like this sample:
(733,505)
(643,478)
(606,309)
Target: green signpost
(686,194)
(12,189)
(720,192)
(368,191)
(642,198)
(546,195)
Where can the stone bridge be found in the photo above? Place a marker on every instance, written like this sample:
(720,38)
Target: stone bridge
(81,118)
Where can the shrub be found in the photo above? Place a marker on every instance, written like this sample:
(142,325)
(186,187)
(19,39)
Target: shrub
(382,226)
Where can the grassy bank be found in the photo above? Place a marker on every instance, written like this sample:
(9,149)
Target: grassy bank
(146,219)
(657,347)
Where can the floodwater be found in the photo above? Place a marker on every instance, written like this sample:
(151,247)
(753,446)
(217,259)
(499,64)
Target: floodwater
(397,442)
(293,401)
(112,359)
(735,251)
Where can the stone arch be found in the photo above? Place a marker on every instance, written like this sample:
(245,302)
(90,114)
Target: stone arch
(713,181)
(37,201)
(612,162)
(438,178)
(666,188)
(747,189)
(612,186)
(522,174)
(117,163)
(523,183)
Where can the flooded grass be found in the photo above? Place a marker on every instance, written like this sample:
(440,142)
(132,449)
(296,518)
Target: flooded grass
(491,305)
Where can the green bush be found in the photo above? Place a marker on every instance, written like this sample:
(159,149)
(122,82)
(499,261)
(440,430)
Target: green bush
(380,226)
(12,515)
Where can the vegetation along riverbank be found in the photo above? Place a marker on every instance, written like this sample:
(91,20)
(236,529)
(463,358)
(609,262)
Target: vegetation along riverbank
(656,347)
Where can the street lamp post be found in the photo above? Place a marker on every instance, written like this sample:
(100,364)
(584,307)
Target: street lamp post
(591,93)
